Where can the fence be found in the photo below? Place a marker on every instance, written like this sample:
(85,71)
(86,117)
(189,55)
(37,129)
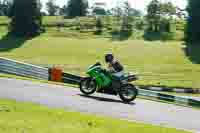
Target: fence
(23,69)
(33,71)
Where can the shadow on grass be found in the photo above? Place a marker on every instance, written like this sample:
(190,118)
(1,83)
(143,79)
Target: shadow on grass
(120,35)
(9,42)
(192,51)
(158,36)
(152,36)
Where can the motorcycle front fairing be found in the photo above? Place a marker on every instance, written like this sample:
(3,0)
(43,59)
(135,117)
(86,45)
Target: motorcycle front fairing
(97,73)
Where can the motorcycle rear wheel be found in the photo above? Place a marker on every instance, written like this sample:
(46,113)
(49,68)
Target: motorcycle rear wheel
(128,93)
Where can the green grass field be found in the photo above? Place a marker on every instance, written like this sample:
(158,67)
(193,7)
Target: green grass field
(31,118)
(163,63)
(110,24)
(157,62)
(4,20)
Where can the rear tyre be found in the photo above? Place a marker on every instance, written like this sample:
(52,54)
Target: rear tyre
(128,93)
(88,86)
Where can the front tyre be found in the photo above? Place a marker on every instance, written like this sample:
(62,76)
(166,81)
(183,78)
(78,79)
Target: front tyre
(88,86)
(128,93)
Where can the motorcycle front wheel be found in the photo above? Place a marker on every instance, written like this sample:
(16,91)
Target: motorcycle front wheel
(88,86)
(128,93)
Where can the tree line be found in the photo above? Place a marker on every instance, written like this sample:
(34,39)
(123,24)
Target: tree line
(5,6)
(26,15)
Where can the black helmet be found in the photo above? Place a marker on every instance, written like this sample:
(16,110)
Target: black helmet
(109,58)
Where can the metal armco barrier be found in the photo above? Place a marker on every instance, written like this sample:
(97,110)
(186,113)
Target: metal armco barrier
(23,69)
(170,98)
(71,79)
(32,71)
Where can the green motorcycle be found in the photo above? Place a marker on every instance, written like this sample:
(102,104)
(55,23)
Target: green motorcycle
(100,79)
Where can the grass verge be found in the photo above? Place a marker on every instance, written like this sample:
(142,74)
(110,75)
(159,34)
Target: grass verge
(31,118)
(158,63)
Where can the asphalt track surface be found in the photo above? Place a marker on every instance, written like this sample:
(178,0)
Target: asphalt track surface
(157,113)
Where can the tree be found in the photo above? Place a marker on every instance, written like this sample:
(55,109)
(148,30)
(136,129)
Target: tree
(116,11)
(154,15)
(159,14)
(99,26)
(135,13)
(26,18)
(181,13)
(127,11)
(39,5)
(99,11)
(1,9)
(108,12)
(52,8)
(168,9)
(77,8)
(192,28)
(5,6)
(126,27)
(63,11)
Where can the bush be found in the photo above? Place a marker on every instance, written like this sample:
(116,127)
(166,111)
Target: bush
(77,28)
(126,30)
(180,25)
(167,36)
(140,25)
(115,31)
(99,26)
(109,28)
(151,36)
